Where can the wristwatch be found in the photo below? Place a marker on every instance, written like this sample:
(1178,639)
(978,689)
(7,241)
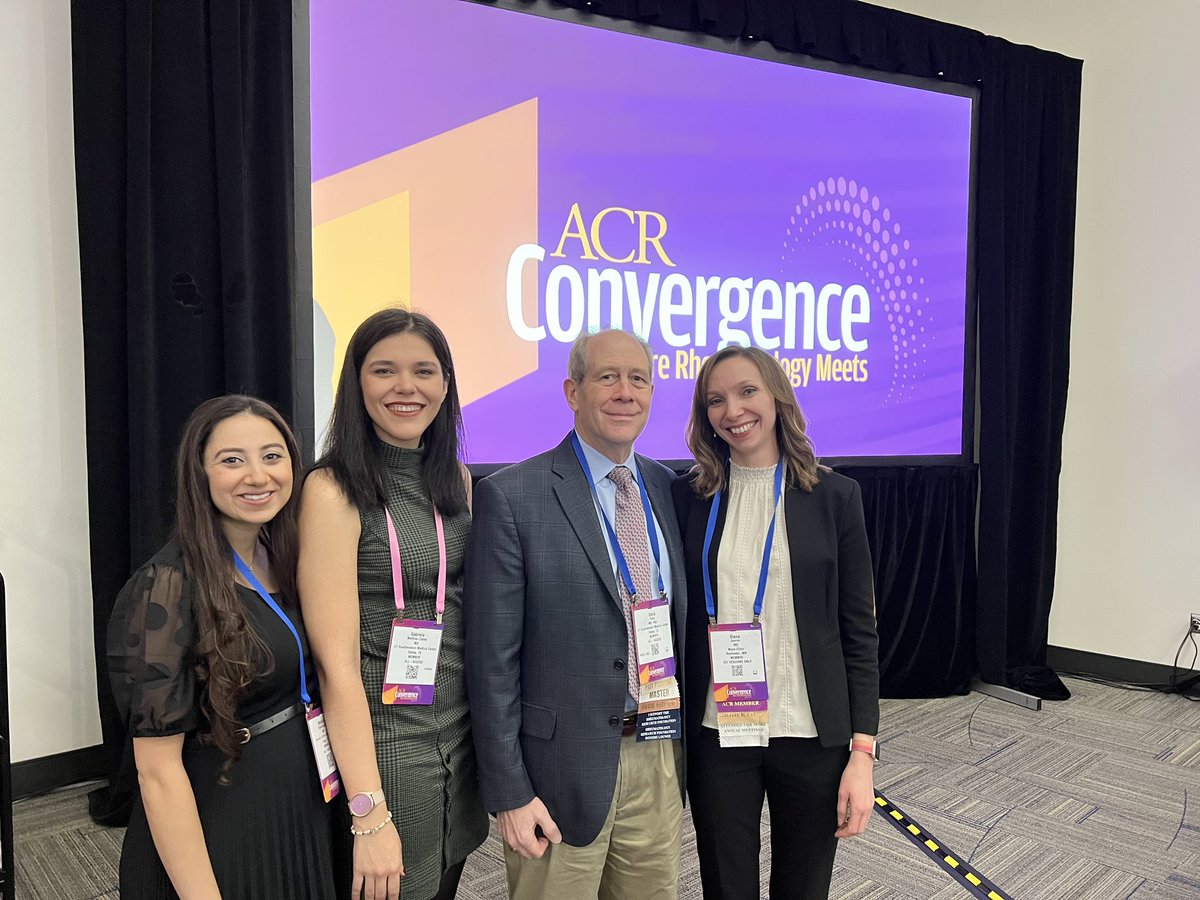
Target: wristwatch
(362,803)
(871,748)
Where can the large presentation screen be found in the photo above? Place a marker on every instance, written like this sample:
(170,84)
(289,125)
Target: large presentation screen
(524,179)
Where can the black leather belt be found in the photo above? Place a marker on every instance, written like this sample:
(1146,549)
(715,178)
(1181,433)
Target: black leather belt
(284,715)
(629,724)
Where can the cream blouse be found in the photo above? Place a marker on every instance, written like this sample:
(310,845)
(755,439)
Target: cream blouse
(751,492)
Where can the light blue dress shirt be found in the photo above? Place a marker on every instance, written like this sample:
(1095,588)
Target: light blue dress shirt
(599,466)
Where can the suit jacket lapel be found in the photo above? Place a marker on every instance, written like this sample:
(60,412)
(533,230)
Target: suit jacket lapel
(664,512)
(797,507)
(575,497)
(718,531)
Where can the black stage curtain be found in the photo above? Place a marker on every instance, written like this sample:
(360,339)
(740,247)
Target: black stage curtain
(1028,137)
(921,530)
(184,150)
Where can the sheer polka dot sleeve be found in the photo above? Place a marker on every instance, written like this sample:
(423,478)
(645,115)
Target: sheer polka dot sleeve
(150,664)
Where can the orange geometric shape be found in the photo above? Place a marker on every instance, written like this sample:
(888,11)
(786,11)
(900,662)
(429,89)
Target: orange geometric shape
(431,227)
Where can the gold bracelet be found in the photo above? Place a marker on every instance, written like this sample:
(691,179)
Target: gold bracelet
(354,831)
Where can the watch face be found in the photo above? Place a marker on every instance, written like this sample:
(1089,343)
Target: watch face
(361,804)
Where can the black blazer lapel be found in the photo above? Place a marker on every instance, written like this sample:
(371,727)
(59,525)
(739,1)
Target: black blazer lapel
(801,513)
(718,530)
(659,490)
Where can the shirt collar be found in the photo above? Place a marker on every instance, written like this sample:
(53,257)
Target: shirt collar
(600,465)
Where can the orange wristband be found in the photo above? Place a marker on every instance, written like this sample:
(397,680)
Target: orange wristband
(869,749)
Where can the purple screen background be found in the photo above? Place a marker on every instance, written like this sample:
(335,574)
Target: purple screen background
(737,153)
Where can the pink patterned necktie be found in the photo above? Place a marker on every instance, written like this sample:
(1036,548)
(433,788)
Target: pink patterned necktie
(631,535)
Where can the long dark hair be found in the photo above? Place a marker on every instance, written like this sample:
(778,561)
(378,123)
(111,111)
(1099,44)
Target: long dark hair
(352,451)
(230,653)
(712,453)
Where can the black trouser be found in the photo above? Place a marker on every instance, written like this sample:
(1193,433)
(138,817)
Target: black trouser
(799,779)
(449,884)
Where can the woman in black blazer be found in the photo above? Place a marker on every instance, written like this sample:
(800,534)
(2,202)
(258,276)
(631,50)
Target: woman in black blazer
(787,539)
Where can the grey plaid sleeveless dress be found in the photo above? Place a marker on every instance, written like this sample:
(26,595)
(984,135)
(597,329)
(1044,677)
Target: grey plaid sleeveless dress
(426,758)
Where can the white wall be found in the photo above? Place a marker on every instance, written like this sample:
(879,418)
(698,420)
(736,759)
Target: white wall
(43,466)
(1129,544)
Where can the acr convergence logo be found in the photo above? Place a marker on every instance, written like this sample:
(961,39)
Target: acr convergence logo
(789,315)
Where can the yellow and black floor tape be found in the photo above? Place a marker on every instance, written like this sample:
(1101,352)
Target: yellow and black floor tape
(975,883)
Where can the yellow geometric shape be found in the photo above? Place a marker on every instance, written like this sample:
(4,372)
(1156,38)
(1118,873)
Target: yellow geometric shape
(364,265)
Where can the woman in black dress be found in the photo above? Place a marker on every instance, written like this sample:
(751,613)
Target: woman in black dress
(210,676)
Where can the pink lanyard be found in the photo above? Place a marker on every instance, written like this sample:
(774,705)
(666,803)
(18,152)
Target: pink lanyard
(398,573)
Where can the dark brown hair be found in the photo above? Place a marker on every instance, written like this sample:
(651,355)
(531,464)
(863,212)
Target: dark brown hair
(712,453)
(352,451)
(230,654)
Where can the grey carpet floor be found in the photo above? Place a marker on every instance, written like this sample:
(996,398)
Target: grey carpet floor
(1097,797)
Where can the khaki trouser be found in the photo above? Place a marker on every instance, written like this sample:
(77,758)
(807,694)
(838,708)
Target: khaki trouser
(636,854)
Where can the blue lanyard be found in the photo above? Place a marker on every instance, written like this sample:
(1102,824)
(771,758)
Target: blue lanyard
(262,592)
(766,557)
(612,535)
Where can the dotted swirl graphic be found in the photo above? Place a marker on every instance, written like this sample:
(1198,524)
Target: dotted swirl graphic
(841,214)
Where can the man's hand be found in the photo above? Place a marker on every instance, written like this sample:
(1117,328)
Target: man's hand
(856,795)
(517,827)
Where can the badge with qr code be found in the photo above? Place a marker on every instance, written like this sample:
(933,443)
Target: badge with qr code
(739,678)
(411,669)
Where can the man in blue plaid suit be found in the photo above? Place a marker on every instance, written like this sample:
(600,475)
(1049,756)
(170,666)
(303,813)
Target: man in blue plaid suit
(585,807)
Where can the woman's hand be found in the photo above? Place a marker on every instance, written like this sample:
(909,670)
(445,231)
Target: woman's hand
(378,864)
(856,795)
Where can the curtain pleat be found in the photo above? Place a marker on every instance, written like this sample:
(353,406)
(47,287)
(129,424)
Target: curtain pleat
(921,530)
(184,171)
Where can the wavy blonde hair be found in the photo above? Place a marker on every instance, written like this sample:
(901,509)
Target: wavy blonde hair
(712,453)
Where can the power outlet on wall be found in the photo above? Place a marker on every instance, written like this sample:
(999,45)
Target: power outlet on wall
(1194,627)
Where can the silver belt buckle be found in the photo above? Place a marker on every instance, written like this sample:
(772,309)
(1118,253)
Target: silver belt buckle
(243,735)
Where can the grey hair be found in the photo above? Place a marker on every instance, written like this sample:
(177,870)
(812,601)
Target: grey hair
(577,361)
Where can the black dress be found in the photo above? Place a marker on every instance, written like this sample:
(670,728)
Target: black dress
(268,832)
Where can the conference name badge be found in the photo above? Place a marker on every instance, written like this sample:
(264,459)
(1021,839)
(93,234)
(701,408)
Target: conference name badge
(659,717)
(739,673)
(652,640)
(411,668)
(318,736)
